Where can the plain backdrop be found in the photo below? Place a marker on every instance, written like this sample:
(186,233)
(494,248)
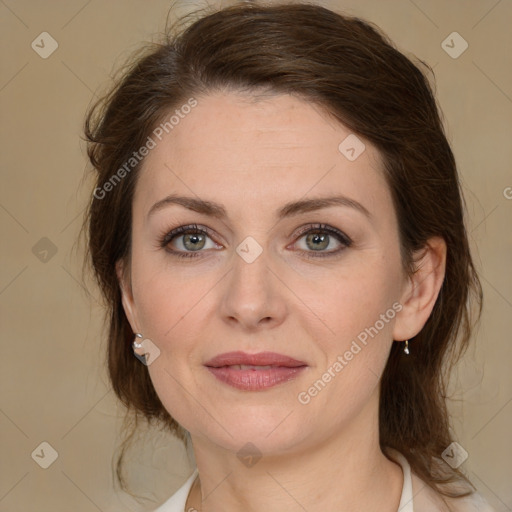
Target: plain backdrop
(53,382)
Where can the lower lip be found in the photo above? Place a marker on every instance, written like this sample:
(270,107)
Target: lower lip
(255,380)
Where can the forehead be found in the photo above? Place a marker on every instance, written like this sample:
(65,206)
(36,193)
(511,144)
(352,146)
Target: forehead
(270,148)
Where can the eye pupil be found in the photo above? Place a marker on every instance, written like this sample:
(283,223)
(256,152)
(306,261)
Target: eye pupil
(194,238)
(316,237)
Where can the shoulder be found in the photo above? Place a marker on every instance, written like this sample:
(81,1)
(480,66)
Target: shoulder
(428,500)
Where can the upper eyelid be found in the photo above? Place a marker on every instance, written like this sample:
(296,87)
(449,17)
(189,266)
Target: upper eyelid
(182,230)
(300,232)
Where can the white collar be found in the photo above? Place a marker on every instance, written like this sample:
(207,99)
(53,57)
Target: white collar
(178,501)
(406,502)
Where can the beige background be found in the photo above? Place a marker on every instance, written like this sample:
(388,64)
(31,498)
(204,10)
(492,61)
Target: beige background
(53,383)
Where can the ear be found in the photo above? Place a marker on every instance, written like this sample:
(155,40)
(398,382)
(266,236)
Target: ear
(421,290)
(127,295)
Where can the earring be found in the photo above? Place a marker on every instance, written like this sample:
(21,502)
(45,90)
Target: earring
(406,349)
(135,344)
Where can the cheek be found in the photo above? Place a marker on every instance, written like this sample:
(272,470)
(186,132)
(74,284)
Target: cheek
(175,307)
(359,307)
(166,297)
(353,300)
(361,314)
(169,306)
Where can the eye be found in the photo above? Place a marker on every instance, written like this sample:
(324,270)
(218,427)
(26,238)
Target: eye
(319,237)
(187,240)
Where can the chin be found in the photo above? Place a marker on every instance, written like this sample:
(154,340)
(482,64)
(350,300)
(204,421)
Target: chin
(265,434)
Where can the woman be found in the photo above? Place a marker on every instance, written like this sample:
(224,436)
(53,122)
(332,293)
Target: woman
(277,227)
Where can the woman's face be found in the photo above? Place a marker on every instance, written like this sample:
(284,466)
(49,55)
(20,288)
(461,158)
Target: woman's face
(265,277)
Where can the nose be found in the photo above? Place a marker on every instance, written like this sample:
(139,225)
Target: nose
(253,297)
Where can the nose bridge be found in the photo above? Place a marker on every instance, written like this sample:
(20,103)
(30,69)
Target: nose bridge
(250,274)
(252,293)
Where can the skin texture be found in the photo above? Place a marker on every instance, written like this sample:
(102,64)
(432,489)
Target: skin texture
(254,155)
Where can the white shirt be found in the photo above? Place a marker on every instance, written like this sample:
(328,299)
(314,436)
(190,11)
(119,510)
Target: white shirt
(416,496)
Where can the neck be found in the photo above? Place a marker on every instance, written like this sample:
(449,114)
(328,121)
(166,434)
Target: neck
(345,472)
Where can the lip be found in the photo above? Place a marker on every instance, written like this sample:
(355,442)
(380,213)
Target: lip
(282,369)
(259,359)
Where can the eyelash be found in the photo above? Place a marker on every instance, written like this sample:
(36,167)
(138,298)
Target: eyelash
(313,228)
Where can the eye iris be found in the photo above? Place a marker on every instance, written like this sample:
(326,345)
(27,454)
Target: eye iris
(316,237)
(193,238)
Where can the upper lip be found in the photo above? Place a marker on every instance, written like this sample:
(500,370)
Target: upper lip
(260,359)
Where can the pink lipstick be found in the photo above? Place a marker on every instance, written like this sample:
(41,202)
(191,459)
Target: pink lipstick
(254,372)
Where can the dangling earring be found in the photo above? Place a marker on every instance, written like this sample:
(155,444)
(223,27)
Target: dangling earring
(135,344)
(406,349)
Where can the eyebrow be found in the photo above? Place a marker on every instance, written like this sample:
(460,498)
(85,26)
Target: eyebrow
(216,210)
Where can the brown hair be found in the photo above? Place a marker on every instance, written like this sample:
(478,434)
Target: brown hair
(350,69)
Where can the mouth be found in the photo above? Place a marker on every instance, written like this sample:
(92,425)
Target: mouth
(261,359)
(247,367)
(254,372)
